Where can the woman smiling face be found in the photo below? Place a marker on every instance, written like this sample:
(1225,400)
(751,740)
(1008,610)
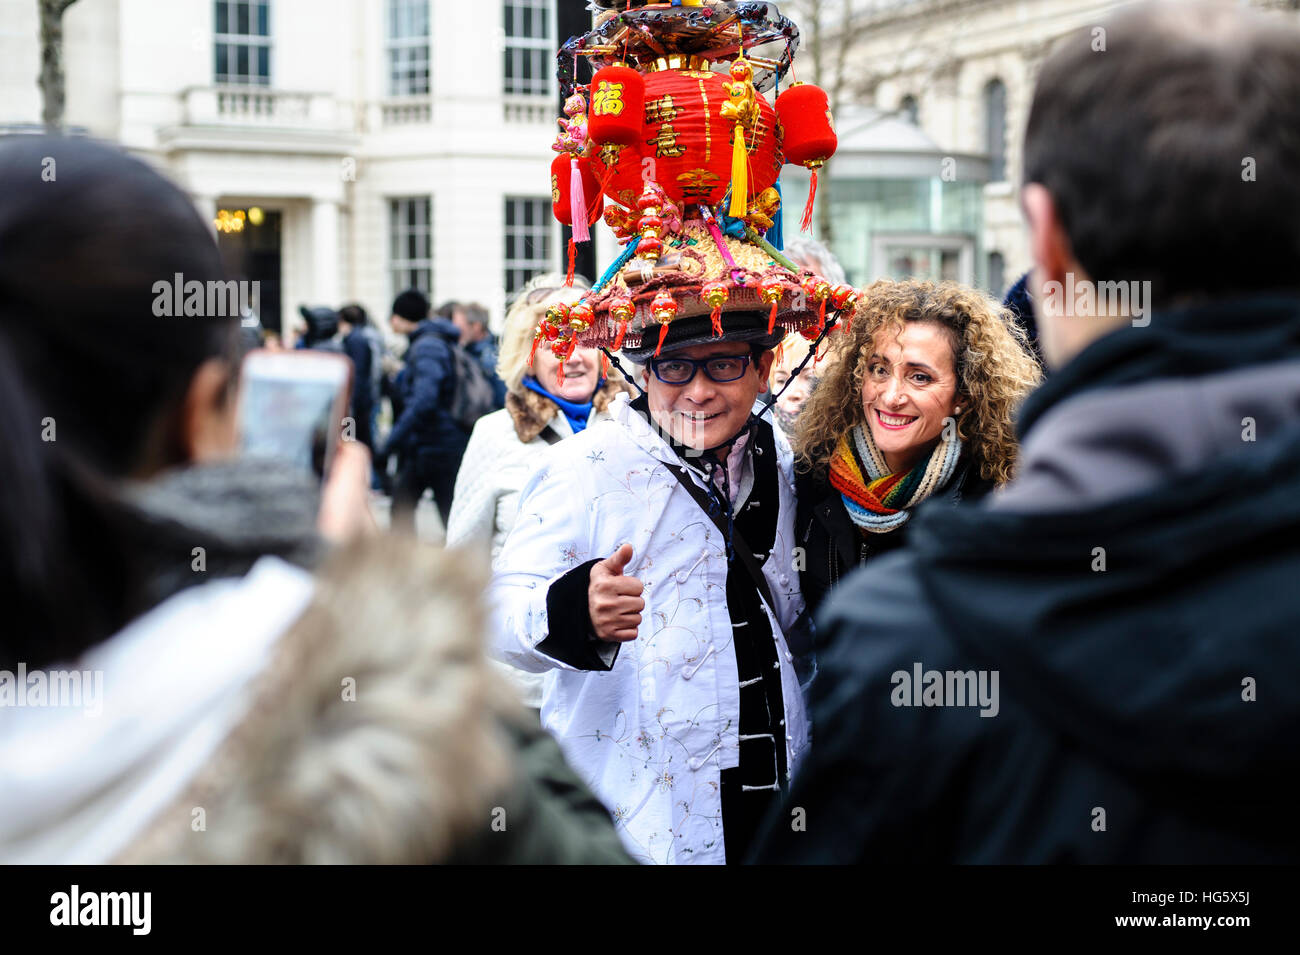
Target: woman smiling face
(909,389)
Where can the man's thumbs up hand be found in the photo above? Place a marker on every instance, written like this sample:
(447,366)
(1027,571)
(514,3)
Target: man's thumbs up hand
(614,600)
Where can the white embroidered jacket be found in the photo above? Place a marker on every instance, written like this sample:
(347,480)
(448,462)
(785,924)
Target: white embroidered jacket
(652,734)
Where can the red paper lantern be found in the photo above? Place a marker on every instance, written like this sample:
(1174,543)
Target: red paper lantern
(617,106)
(805,114)
(810,137)
(561,177)
(690,142)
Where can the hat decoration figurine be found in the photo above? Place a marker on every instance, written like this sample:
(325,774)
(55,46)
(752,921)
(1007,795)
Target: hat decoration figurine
(677,132)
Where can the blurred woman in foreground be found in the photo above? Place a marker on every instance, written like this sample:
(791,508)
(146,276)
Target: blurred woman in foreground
(344,714)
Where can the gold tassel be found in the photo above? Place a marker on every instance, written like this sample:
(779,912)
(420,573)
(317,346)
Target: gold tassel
(739,176)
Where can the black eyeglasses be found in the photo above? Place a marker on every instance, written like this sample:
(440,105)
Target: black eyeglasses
(681,371)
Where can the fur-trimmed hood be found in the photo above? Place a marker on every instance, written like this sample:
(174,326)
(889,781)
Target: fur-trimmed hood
(376,734)
(531,412)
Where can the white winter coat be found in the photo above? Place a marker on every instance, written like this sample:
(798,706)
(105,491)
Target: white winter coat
(653,734)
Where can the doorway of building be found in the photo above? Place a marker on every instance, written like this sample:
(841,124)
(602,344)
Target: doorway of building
(249,238)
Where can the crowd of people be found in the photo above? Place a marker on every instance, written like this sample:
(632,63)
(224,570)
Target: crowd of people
(729,586)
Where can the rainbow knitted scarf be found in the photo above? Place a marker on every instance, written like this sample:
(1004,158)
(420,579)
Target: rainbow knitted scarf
(877,501)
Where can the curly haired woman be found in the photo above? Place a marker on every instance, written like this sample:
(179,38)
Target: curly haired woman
(916,404)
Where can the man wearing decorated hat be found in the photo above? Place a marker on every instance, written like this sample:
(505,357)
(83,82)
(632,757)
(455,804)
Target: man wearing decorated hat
(651,572)
(628,577)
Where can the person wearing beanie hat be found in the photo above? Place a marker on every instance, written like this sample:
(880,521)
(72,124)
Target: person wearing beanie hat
(425,436)
(651,571)
(412,306)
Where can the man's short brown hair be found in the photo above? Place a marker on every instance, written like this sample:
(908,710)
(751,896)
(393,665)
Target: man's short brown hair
(1169,138)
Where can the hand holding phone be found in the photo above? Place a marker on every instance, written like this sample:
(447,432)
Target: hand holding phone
(292,406)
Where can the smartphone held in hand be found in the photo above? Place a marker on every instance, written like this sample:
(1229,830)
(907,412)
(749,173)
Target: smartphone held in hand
(292,406)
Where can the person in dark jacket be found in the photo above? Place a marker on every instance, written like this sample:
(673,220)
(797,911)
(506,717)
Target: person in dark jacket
(322,329)
(1020,303)
(365,346)
(430,444)
(1098,664)
(477,339)
(914,404)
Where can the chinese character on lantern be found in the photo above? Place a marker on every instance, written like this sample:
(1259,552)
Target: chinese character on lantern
(608,99)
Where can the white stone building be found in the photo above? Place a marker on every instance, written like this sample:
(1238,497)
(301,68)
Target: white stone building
(369,145)
(964,72)
(389,143)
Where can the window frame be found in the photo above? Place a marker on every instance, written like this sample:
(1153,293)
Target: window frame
(527,48)
(395,46)
(400,230)
(995,128)
(513,267)
(231,42)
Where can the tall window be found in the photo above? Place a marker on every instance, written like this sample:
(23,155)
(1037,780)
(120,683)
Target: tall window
(995,129)
(242,42)
(411,243)
(528,48)
(528,240)
(408,47)
(997,274)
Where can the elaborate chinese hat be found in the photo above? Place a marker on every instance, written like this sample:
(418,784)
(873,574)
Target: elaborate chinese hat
(676,131)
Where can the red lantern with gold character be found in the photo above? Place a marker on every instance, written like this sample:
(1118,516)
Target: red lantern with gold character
(810,138)
(691,143)
(617,106)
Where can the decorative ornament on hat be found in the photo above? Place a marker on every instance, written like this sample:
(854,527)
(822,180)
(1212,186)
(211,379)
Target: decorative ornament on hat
(651,225)
(679,135)
(664,309)
(741,107)
(622,311)
(715,295)
(763,209)
(810,138)
(771,290)
(574,144)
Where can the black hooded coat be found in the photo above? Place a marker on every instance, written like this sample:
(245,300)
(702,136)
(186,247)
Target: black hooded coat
(1135,592)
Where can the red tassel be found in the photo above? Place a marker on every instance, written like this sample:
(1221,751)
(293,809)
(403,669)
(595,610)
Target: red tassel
(771,318)
(618,339)
(780,355)
(806,224)
(821,317)
(848,321)
(663,333)
(715,319)
(573,251)
(604,366)
(559,375)
(537,340)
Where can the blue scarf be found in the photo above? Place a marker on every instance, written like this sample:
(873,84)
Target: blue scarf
(578,414)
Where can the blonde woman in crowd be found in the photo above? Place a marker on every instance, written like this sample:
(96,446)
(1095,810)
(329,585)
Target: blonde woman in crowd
(540,410)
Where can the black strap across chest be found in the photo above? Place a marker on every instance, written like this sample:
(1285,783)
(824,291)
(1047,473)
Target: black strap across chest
(765,494)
